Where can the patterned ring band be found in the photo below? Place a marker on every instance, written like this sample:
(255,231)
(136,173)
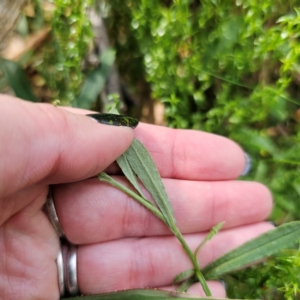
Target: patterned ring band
(53,215)
(67,257)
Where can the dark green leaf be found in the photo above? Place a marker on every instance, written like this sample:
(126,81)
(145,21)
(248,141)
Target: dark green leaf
(17,79)
(95,82)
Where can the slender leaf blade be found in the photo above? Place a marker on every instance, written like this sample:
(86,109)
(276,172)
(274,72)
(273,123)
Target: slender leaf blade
(125,166)
(141,294)
(183,276)
(210,235)
(144,167)
(128,172)
(265,245)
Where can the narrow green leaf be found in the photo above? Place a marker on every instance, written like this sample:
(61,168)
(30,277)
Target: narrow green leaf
(124,164)
(289,162)
(266,244)
(144,167)
(183,276)
(17,79)
(142,294)
(130,175)
(96,80)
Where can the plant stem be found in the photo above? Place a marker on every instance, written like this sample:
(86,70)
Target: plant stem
(104,177)
(194,261)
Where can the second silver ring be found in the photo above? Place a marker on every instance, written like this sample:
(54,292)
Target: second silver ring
(69,266)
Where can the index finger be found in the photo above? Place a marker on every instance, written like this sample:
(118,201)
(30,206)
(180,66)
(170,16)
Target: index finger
(190,154)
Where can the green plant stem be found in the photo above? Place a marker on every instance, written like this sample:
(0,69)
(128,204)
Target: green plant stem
(194,261)
(104,177)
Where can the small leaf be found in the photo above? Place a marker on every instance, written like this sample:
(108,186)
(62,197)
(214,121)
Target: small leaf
(210,235)
(144,167)
(183,276)
(128,172)
(266,244)
(17,79)
(96,80)
(186,285)
(141,294)
(123,162)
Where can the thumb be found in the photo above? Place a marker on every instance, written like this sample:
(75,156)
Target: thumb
(41,143)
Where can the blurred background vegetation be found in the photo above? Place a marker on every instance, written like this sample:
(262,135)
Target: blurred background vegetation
(227,67)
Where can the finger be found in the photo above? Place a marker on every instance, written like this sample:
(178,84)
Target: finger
(29,247)
(91,211)
(151,262)
(190,154)
(44,143)
(217,289)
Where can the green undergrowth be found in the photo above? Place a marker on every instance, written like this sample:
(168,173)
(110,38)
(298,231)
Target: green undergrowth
(227,67)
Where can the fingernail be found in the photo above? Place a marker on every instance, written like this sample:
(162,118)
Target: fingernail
(223,283)
(273,223)
(247,166)
(115,120)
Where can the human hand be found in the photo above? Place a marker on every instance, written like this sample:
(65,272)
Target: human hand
(121,245)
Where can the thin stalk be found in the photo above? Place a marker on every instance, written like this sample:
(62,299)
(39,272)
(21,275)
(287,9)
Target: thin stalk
(104,177)
(194,261)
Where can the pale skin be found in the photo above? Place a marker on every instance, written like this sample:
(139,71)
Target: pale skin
(121,245)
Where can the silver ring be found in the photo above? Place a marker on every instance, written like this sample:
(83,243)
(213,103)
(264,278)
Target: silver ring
(67,269)
(53,215)
(60,268)
(71,272)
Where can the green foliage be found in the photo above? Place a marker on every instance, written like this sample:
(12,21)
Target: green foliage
(280,271)
(62,60)
(137,162)
(229,67)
